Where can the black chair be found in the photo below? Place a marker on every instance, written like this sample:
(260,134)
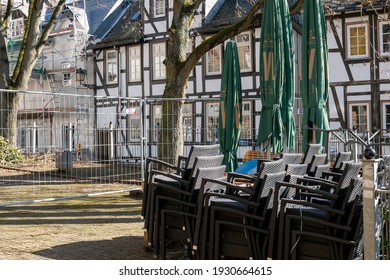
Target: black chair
(320,169)
(238,228)
(307,193)
(318,159)
(172,186)
(176,215)
(243,192)
(341,160)
(312,149)
(333,236)
(294,171)
(181,170)
(292,158)
(338,163)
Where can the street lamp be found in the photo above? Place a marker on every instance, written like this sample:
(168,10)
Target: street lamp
(80,75)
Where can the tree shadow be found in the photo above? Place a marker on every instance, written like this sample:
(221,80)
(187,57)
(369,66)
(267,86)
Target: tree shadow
(118,248)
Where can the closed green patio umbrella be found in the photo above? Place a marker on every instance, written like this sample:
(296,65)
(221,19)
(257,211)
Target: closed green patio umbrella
(271,76)
(230,109)
(288,96)
(314,78)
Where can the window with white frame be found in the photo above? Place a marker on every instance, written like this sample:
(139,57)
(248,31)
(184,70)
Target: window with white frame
(359,116)
(357,40)
(159,8)
(386,117)
(213,61)
(187,120)
(133,117)
(111,67)
(212,117)
(16,28)
(384,38)
(158,53)
(135,64)
(386,121)
(66,77)
(244,51)
(246,126)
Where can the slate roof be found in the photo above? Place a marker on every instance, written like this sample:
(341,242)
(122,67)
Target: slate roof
(230,12)
(350,5)
(95,11)
(121,25)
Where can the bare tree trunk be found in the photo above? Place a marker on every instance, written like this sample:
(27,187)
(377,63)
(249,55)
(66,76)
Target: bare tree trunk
(171,144)
(9,112)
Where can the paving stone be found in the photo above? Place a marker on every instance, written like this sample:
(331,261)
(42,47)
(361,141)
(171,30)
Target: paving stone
(106,227)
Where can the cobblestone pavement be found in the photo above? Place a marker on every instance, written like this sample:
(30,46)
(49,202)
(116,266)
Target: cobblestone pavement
(106,227)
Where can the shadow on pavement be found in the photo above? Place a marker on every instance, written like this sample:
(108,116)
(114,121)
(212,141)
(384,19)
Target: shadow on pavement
(119,248)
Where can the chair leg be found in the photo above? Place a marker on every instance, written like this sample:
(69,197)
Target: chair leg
(162,240)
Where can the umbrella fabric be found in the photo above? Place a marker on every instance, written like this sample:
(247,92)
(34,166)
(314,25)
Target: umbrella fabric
(288,96)
(314,78)
(230,109)
(271,76)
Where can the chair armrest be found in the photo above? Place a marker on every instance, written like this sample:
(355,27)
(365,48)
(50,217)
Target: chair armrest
(330,173)
(232,176)
(317,221)
(323,207)
(318,181)
(230,187)
(169,175)
(173,200)
(307,190)
(167,187)
(149,161)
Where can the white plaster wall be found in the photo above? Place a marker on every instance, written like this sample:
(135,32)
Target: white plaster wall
(135,91)
(337,71)
(360,71)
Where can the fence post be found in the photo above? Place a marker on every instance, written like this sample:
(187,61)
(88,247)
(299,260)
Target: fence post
(33,137)
(143,139)
(111,141)
(370,209)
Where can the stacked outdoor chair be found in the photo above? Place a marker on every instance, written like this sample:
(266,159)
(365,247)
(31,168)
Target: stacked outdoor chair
(236,197)
(338,166)
(238,228)
(338,163)
(337,235)
(294,171)
(175,172)
(176,215)
(176,187)
(326,201)
(292,158)
(313,149)
(317,159)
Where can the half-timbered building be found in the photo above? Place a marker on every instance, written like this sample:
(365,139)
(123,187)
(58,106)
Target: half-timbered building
(130,48)
(359,49)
